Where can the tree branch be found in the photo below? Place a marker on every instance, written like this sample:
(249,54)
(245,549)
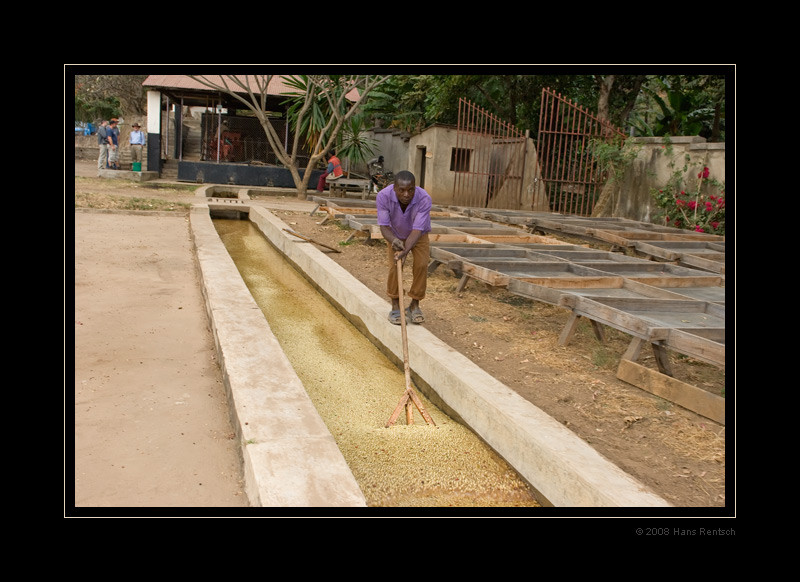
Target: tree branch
(334,89)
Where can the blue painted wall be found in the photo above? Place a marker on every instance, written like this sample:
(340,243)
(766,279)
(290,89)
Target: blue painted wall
(240,175)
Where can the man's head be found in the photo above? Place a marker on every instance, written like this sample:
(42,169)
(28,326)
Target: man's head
(136,126)
(112,123)
(404,186)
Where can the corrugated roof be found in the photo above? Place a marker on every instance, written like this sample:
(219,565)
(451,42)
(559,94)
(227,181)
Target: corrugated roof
(276,84)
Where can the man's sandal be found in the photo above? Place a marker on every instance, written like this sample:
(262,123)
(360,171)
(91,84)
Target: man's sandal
(394,317)
(414,316)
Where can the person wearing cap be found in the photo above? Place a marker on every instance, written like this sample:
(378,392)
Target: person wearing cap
(137,143)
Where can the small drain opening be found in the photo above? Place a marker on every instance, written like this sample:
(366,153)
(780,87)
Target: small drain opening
(230,214)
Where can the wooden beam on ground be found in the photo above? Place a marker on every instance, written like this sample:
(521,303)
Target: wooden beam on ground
(691,397)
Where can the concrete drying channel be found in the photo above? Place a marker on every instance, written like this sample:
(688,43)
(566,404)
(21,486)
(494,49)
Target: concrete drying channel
(295,462)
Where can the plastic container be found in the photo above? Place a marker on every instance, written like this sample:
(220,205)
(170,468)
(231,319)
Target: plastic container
(137,166)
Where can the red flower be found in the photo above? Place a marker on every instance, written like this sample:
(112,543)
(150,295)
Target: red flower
(704,173)
(698,228)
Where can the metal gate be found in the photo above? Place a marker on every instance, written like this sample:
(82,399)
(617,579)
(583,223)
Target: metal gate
(570,173)
(488,160)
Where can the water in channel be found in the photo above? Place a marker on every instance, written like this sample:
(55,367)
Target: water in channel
(356,388)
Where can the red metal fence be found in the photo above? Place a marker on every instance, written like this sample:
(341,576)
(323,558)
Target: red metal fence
(488,160)
(570,173)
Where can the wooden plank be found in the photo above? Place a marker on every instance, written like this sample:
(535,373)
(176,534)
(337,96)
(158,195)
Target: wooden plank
(546,272)
(705,345)
(489,276)
(519,238)
(455,238)
(572,283)
(670,250)
(688,327)
(489,230)
(690,397)
(480,252)
(655,304)
(714,294)
(616,318)
(585,255)
(554,247)
(710,262)
(658,274)
(629,238)
(619,287)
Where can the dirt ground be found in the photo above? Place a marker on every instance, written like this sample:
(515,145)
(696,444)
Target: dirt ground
(678,454)
(151,420)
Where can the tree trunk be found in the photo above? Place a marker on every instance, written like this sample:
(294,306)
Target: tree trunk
(605,83)
(603,206)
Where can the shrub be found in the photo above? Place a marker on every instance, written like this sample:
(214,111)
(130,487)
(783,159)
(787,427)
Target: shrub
(690,204)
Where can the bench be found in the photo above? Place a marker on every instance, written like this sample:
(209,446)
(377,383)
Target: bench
(342,186)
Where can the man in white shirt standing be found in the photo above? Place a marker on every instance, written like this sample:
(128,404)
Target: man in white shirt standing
(137,143)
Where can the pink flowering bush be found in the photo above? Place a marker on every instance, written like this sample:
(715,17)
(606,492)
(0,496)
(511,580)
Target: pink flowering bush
(700,208)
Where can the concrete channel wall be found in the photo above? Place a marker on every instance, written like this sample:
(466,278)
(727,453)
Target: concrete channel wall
(290,458)
(284,466)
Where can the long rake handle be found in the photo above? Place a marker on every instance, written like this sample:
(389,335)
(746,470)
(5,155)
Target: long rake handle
(410,398)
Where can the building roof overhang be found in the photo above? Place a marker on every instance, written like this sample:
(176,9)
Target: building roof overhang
(191,92)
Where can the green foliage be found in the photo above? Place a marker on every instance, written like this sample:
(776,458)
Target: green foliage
(614,156)
(400,103)
(93,110)
(311,122)
(414,102)
(354,144)
(680,105)
(351,142)
(689,202)
(104,96)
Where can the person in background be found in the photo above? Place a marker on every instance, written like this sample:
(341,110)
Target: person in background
(375,168)
(334,170)
(102,144)
(113,148)
(404,217)
(137,143)
(115,130)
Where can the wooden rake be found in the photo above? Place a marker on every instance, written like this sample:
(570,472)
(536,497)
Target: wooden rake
(410,395)
(311,240)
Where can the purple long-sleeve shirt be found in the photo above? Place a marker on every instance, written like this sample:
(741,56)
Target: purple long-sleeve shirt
(416,217)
